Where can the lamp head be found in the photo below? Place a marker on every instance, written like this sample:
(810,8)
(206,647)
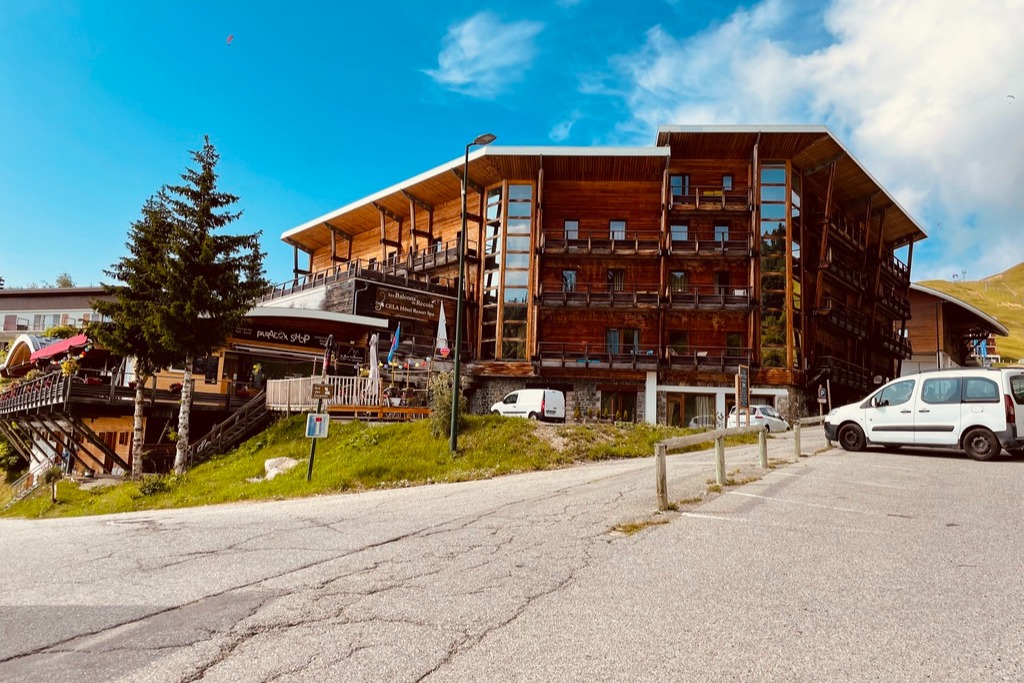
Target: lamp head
(485,139)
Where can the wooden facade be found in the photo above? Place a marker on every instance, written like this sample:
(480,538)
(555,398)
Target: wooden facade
(652,270)
(946,332)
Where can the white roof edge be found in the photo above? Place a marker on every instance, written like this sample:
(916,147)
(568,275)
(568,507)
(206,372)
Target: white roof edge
(313,313)
(726,128)
(490,150)
(1000,329)
(793,128)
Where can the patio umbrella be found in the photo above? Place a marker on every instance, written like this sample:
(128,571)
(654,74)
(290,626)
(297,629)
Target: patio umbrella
(371,393)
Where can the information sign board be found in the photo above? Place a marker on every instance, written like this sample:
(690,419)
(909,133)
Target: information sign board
(323,390)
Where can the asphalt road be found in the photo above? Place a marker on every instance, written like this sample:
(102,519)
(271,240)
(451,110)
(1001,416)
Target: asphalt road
(836,567)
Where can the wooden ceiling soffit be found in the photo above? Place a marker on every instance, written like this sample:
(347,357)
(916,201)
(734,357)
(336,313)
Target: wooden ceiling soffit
(385,212)
(415,202)
(824,164)
(479,189)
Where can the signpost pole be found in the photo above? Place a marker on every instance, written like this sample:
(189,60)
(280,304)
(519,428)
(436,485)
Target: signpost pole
(320,403)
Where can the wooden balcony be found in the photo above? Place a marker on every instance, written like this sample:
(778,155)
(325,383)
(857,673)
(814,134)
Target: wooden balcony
(600,296)
(844,271)
(440,255)
(390,272)
(895,269)
(893,302)
(843,372)
(711,198)
(843,318)
(709,297)
(891,342)
(56,393)
(709,358)
(707,246)
(604,243)
(584,355)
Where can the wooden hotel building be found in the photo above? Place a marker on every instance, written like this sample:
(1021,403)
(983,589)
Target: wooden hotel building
(636,279)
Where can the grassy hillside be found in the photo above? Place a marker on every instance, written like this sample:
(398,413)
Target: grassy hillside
(1000,296)
(359,456)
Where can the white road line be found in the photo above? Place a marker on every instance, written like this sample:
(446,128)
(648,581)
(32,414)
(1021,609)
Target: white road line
(852,481)
(798,502)
(699,515)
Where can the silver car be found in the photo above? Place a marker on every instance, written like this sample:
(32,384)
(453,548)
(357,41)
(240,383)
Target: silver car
(759,415)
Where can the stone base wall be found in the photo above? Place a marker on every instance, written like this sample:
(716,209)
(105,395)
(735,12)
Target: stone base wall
(584,395)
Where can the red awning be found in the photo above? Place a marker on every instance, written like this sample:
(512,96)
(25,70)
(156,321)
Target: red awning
(63,346)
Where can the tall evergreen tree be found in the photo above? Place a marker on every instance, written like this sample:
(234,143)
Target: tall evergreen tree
(212,279)
(129,328)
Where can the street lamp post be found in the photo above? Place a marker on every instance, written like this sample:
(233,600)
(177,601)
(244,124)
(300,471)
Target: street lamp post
(480,140)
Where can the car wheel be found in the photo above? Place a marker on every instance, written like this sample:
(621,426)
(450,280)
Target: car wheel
(532,416)
(495,412)
(851,437)
(767,428)
(981,444)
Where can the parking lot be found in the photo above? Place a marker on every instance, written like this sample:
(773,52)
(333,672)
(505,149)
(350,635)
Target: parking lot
(840,566)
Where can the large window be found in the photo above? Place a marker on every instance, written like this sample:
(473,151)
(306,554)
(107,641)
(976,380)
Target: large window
(568,280)
(679,281)
(722,232)
(773,232)
(572,229)
(508,221)
(679,232)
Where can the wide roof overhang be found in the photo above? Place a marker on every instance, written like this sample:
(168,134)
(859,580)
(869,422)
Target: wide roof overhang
(974,317)
(812,149)
(487,166)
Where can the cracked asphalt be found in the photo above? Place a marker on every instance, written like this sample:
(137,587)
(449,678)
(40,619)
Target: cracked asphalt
(838,566)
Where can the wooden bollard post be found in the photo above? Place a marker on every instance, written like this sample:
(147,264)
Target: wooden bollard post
(762,447)
(662,481)
(720,460)
(796,440)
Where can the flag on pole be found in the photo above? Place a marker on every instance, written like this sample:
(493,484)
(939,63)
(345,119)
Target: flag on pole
(442,333)
(394,343)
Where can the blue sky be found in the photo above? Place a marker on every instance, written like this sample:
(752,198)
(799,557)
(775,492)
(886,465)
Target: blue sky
(312,106)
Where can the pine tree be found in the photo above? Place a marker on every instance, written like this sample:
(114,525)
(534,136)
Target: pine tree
(128,329)
(211,280)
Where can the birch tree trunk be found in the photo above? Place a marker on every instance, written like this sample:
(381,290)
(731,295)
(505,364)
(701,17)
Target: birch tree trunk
(181,456)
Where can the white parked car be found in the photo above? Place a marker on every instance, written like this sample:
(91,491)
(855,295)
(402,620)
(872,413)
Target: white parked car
(978,410)
(536,404)
(759,415)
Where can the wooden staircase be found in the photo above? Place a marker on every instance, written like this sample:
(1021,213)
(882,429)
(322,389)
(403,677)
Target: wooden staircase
(251,418)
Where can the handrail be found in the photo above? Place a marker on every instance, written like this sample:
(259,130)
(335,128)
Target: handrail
(248,414)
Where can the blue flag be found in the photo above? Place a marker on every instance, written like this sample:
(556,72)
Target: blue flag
(394,343)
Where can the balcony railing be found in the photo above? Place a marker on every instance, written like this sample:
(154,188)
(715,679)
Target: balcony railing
(843,318)
(388,272)
(438,255)
(709,296)
(897,269)
(892,342)
(709,245)
(604,242)
(843,271)
(598,355)
(604,295)
(709,358)
(893,302)
(843,372)
(711,197)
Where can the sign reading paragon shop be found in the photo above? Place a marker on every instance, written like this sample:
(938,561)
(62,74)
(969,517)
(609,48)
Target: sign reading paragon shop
(278,335)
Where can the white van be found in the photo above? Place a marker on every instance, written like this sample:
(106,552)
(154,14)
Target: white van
(978,410)
(536,404)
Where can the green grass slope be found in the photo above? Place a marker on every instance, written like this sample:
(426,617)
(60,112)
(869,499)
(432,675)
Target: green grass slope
(1000,296)
(358,456)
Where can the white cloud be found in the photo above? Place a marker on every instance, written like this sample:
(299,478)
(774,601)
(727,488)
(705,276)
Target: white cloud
(482,55)
(916,90)
(560,131)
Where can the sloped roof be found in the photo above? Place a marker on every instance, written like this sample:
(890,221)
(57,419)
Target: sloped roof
(982,319)
(19,354)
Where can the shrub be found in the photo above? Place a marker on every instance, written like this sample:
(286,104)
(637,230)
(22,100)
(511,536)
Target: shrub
(440,386)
